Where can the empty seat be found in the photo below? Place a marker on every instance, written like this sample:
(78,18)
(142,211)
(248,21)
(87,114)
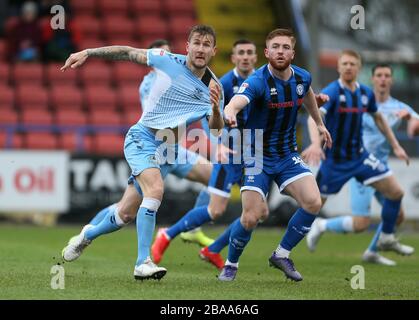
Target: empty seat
(7,97)
(129,98)
(108,144)
(3,50)
(10,140)
(86,7)
(100,98)
(104,118)
(95,72)
(145,7)
(75,142)
(70,118)
(28,73)
(179,7)
(4,73)
(107,7)
(55,76)
(8,116)
(130,117)
(117,26)
(31,97)
(152,27)
(36,117)
(128,73)
(89,26)
(40,140)
(180,26)
(64,97)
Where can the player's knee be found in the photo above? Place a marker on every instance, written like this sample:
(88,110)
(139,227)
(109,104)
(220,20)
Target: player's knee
(155,191)
(127,213)
(249,220)
(312,204)
(216,211)
(361,224)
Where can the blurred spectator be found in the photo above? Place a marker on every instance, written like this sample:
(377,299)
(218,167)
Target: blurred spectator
(58,44)
(25,36)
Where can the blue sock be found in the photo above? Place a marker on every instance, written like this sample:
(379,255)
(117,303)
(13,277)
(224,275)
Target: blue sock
(340,224)
(146,222)
(110,223)
(193,219)
(373,244)
(99,217)
(203,198)
(223,240)
(298,226)
(239,237)
(389,214)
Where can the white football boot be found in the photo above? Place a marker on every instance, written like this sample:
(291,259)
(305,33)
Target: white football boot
(148,270)
(391,243)
(313,236)
(76,245)
(374,257)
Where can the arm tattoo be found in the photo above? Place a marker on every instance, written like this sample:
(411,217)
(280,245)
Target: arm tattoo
(120,53)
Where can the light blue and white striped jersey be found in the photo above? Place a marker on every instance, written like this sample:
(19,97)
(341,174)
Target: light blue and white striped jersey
(374,141)
(176,96)
(146,85)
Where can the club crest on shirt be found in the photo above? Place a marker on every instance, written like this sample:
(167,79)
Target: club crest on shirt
(300,89)
(364,99)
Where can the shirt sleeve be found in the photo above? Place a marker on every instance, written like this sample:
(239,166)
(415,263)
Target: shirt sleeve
(159,58)
(333,94)
(412,112)
(251,89)
(372,105)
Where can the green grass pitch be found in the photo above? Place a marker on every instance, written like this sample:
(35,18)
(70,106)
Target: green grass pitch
(105,270)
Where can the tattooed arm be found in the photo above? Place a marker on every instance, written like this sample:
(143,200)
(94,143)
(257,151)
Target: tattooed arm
(112,53)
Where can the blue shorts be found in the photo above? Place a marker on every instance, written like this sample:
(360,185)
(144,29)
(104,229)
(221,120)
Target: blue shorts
(142,151)
(366,169)
(287,171)
(223,177)
(361,197)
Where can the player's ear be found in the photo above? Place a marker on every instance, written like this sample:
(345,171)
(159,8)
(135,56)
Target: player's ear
(266,53)
(187,47)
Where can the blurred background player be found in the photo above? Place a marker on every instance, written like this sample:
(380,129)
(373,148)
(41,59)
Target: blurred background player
(348,101)
(275,92)
(184,75)
(224,175)
(394,111)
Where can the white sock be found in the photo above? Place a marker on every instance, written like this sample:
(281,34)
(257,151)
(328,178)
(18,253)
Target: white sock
(348,224)
(233,264)
(386,236)
(322,225)
(282,253)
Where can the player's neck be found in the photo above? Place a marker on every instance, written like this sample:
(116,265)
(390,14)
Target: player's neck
(281,74)
(199,72)
(244,75)
(382,96)
(351,85)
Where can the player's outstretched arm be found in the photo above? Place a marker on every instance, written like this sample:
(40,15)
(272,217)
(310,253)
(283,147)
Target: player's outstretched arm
(310,104)
(124,53)
(391,138)
(237,103)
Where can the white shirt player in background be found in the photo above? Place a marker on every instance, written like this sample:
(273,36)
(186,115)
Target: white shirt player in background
(184,91)
(394,112)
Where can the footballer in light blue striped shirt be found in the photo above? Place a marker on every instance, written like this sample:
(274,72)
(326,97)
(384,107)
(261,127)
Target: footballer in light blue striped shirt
(184,91)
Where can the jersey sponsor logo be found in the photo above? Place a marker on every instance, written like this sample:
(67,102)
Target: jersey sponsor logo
(300,89)
(286,104)
(243,87)
(352,110)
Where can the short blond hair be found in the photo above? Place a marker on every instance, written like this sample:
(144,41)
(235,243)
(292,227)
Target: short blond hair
(281,32)
(352,53)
